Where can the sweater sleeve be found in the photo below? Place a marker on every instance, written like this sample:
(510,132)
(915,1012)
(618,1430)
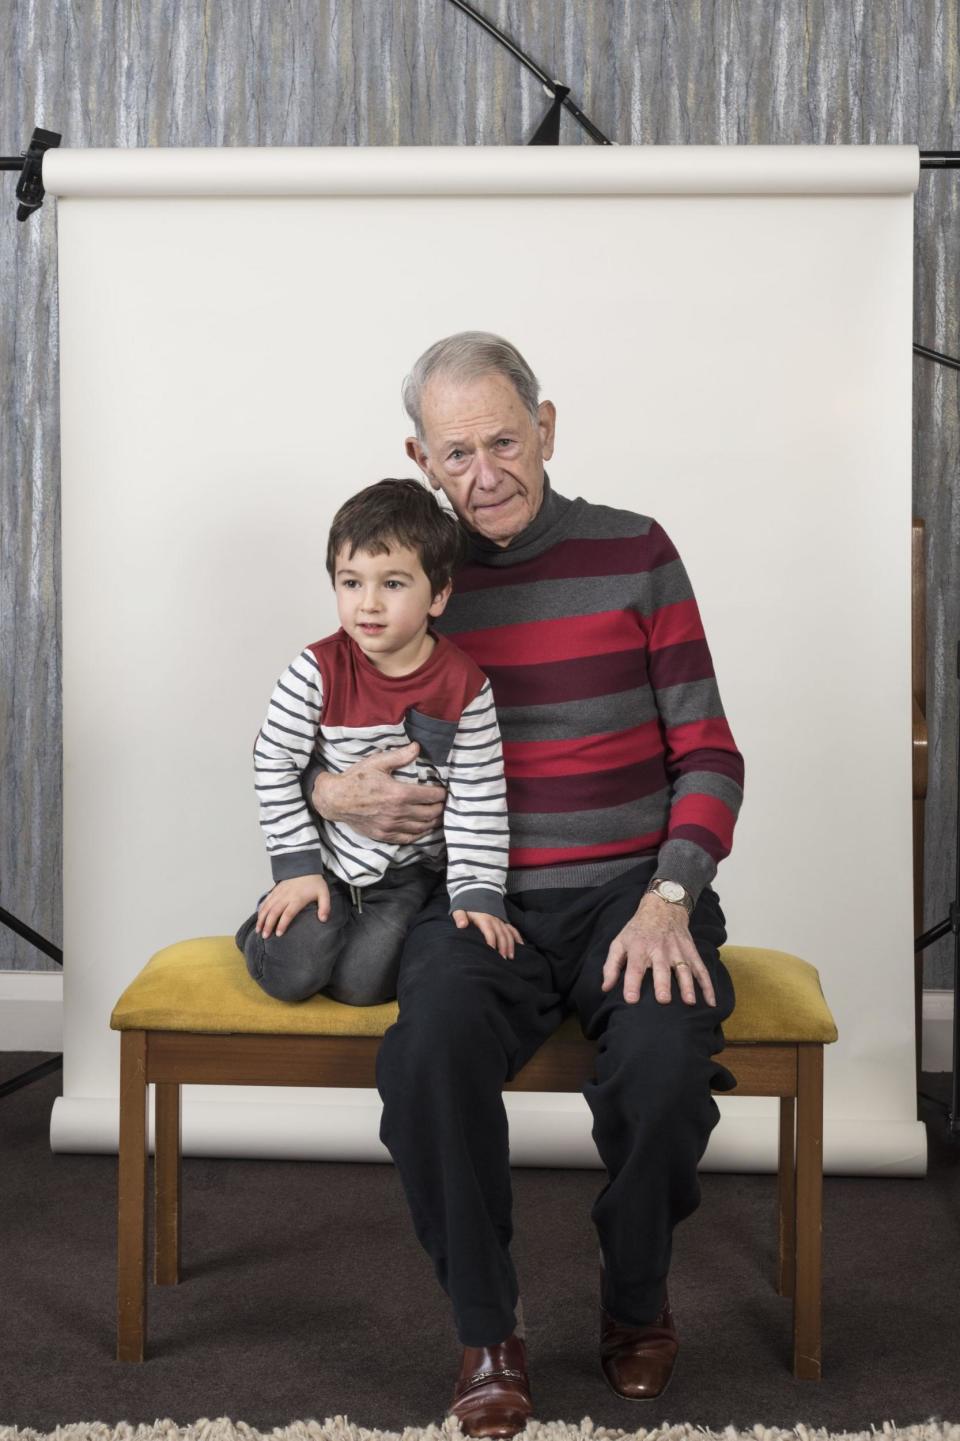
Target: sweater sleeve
(284,746)
(704,767)
(475,816)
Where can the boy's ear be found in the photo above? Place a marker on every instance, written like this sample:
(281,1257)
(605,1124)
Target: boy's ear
(439,603)
(415,451)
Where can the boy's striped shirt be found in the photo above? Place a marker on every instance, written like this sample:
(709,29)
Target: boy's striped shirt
(334,704)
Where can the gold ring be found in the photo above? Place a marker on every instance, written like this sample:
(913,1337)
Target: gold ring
(682,963)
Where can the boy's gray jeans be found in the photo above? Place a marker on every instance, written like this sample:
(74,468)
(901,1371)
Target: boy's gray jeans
(354,955)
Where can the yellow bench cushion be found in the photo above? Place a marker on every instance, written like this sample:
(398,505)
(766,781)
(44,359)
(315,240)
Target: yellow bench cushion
(203,985)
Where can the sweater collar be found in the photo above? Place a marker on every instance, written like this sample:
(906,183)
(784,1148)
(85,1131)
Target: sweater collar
(547,527)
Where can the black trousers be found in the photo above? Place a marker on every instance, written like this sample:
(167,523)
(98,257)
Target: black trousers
(469,1020)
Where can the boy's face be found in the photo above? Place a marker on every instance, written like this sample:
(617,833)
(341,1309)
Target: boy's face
(385,602)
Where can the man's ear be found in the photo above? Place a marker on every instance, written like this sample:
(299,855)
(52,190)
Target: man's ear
(416,452)
(439,603)
(547,425)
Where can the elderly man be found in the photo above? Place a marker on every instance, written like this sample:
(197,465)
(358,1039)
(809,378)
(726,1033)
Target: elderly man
(623,786)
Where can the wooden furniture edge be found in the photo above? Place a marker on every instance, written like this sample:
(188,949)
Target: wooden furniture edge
(793,1071)
(238,1058)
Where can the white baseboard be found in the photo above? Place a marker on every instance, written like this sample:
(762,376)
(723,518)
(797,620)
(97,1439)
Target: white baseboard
(938,1030)
(31,1010)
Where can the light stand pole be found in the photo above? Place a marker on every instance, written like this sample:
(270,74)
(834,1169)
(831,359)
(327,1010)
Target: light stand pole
(947,160)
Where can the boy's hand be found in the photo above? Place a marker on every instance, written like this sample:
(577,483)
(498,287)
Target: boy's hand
(498,934)
(287,900)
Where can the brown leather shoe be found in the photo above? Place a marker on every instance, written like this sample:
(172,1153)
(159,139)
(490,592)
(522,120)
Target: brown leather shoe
(492,1393)
(638,1360)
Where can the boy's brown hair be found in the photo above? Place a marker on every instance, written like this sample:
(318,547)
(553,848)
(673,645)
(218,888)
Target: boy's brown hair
(399,512)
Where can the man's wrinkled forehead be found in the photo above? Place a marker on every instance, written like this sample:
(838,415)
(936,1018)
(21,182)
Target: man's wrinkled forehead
(456,408)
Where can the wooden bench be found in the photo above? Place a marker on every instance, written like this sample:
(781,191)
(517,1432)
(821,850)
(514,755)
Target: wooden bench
(193,1016)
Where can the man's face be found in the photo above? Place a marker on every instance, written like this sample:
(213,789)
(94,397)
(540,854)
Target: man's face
(485,451)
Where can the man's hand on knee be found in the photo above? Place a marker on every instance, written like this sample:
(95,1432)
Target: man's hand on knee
(372,802)
(657,939)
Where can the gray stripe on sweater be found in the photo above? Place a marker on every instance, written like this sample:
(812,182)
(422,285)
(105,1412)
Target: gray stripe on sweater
(563,599)
(691,700)
(677,861)
(682,861)
(562,519)
(601,522)
(551,600)
(588,828)
(709,783)
(565,720)
(581,873)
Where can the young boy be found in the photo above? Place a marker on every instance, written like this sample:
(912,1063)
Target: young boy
(336,918)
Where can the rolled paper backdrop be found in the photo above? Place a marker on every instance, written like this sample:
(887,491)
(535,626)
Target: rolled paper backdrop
(726,333)
(544,1131)
(486,170)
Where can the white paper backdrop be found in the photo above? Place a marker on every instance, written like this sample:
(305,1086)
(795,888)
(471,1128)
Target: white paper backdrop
(727,336)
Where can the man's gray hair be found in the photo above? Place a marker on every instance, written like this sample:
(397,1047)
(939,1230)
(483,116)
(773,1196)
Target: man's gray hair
(466,356)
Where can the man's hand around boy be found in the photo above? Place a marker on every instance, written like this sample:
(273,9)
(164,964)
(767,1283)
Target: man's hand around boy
(498,934)
(371,801)
(288,899)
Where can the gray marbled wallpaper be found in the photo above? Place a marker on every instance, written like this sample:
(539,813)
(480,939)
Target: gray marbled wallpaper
(418,72)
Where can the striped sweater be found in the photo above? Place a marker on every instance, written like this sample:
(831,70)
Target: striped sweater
(614,738)
(334,705)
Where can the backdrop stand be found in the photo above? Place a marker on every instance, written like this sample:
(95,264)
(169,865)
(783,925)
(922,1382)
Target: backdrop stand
(30,193)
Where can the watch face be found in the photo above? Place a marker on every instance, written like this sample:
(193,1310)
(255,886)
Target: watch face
(669,890)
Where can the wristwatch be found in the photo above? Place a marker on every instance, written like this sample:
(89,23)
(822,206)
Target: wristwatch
(671,891)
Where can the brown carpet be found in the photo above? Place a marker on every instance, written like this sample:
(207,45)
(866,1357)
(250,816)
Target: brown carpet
(305,1295)
(339,1428)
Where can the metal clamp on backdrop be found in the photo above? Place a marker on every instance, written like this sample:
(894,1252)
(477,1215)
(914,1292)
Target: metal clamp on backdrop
(30,190)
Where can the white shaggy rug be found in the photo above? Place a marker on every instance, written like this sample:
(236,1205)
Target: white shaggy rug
(339,1428)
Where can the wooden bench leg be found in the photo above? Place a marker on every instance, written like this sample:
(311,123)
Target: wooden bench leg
(132,1199)
(166,1171)
(786,1200)
(806,1304)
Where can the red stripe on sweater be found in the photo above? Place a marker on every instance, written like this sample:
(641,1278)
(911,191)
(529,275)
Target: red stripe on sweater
(580,754)
(705,745)
(676,664)
(706,840)
(581,855)
(559,681)
(592,791)
(673,624)
(706,813)
(569,638)
(570,560)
